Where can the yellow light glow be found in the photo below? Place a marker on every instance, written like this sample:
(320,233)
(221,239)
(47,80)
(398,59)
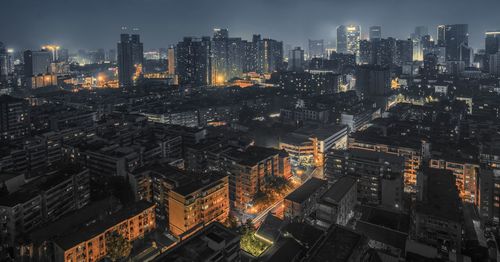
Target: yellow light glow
(219,79)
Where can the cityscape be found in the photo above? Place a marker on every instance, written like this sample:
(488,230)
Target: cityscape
(376,140)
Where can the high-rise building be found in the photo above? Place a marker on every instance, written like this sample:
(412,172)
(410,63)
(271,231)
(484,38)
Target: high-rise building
(171,60)
(4,62)
(36,62)
(296,59)
(348,38)
(365,51)
(416,37)
(193,61)
(130,58)
(342,39)
(441,31)
(375,33)
(14,119)
(491,46)
(383,52)
(373,80)
(316,48)
(112,55)
(404,52)
(268,55)
(457,43)
(219,55)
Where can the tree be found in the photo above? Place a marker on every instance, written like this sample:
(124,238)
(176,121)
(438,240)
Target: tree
(117,246)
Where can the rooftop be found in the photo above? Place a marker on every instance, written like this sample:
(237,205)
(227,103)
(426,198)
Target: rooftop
(440,195)
(195,248)
(338,190)
(339,246)
(305,191)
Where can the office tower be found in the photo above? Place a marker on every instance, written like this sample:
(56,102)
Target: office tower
(375,33)
(348,38)
(316,48)
(491,45)
(457,42)
(14,119)
(130,58)
(36,62)
(342,39)
(492,42)
(296,60)
(494,64)
(441,31)
(4,62)
(404,52)
(171,60)
(193,61)
(416,37)
(373,80)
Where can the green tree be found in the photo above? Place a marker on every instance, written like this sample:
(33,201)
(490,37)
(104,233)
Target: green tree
(117,246)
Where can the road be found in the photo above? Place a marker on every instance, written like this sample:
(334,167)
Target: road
(260,217)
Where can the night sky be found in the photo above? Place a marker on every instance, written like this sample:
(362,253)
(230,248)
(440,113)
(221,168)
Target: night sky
(28,24)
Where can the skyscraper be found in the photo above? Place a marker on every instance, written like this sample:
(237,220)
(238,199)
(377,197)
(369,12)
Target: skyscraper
(416,37)
(441,30)
(4,62)
(348,38)
(219,55)
(296,60)
(492,46)
(171,60)
(268,54)
(130,58)
(316,48)
(36,62)
(404,52)
(457,43)
(375,33)
(492,42)
(194,61)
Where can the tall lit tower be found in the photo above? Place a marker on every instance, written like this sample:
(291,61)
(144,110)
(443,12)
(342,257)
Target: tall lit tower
(348,38)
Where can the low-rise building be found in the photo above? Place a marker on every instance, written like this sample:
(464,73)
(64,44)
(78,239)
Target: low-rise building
(213,243)
(336,205)
(438,213)
(302,201)
(43,200)
(88,242)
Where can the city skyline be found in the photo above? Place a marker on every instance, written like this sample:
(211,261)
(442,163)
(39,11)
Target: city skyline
(160,28)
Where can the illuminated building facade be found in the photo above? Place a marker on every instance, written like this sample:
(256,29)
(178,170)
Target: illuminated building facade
(411,153)
(89,243)
(195,205)
(465,176)
(184,203)
(348,37)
